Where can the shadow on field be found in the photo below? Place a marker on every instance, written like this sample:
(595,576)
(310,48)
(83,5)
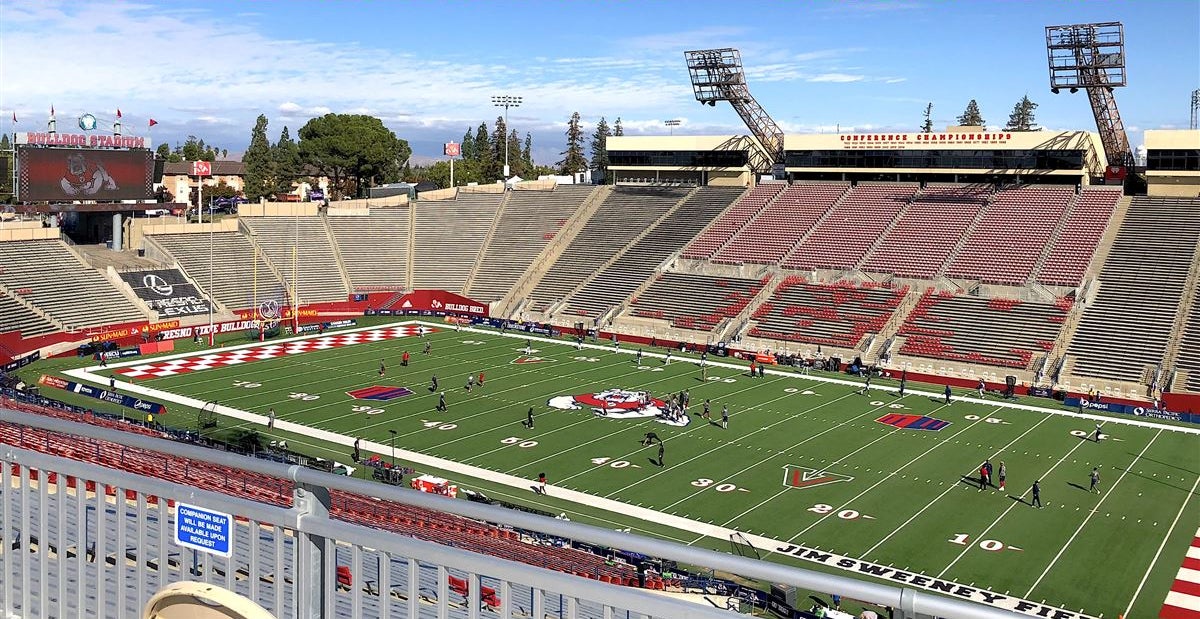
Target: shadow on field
(1168,464)
(1020,500)
(1075,485)
(970,481)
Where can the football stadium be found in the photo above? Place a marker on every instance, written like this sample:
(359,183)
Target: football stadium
(944,373)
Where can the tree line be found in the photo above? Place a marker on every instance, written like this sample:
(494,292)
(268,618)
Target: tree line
(483,154)
(354,151)
(1020,119)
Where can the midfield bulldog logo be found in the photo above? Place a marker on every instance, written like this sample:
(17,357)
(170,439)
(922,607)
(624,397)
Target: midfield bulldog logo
(618,404)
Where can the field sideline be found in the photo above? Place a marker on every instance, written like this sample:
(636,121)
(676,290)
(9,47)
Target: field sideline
(808,464)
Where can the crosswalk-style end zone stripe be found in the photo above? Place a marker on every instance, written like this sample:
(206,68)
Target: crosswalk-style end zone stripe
(1183,601)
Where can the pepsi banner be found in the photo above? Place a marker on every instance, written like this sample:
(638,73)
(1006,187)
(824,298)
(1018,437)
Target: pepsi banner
(1086,405)
(112,397)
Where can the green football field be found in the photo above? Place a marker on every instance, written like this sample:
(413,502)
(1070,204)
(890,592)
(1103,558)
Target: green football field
(806,463)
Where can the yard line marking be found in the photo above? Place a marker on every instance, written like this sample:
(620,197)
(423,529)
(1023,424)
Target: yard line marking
(1090,514)
(1158,553)
(618,431)
(698,427)
(87,373)
(776,454)
(883,480)
(949,489)
(1078,444)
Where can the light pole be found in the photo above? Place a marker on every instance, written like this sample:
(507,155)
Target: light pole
(671,124)
(393,448)
(506,101)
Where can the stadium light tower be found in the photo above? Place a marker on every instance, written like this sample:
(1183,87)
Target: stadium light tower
(717,75)
(671,124)
(1092,57)
(1195,122)
(506,101)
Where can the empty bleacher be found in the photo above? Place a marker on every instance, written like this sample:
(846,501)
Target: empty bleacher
(767,238)
(850,229)
(374,248)
(613,284)
(1189,346)
(830,314)
(999,332)
(234,275)
(50,276)
(723,229)
(1072,251)
(697,302)
(17,317)
(1006,243)
(1129,324)
(625,214)
(928,231)
(449,234)
(318,279)
(531,219)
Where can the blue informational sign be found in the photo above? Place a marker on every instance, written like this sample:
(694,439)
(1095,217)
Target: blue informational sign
(204,529)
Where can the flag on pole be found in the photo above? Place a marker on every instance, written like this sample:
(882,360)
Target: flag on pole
(14,117)
(153,122)
(51,110)
(118,112)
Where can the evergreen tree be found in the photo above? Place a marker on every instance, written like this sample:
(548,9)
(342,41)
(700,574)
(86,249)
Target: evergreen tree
(527,153)
(163,151)
(260,169)
(5,145)
(618,130)
(285,157)
(600,148)
(483,151)
(573,160)
(514,153)
(468,147)
(927,126)
(499,143)
(1021,118)
(971,116)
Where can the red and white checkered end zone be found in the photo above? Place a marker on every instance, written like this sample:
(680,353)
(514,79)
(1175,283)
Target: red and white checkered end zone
(267,351)
(1183,602)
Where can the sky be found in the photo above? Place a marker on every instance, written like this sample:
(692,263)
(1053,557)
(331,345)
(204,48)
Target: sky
(428,68)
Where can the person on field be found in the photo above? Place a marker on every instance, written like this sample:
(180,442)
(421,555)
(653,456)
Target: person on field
(661,450)
(1097,434)
(948,394)
(529,418)
(441,405)
(428,347)
(707,409)
(649,439)
(271,419)
(433,384)
(1037,495)
(983,477)
(982,387)
(639,356)
(382,369)
(404,359)
(1003,473)
(480,381)
(725,417)
(541,483)
(1095,478)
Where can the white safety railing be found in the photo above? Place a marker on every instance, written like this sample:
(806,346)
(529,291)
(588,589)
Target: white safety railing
(83,539)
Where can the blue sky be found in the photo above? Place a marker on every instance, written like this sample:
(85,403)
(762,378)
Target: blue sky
(429,68)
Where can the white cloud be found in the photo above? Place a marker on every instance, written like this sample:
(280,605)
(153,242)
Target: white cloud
(838,78)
